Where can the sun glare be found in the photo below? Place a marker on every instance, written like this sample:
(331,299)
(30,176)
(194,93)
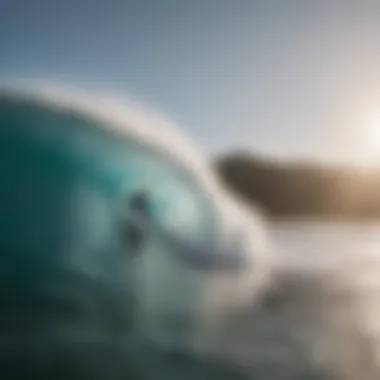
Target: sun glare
(372,135)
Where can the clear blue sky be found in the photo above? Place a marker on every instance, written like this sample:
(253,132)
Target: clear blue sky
(289,78)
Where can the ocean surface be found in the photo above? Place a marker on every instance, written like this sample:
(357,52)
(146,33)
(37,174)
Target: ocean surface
(320,244)
(278,331)
(312,250)
(278,340)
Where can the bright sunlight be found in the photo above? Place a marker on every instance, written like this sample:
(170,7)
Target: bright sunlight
(371,134)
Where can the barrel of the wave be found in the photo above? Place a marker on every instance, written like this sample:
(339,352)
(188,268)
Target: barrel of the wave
(79,269)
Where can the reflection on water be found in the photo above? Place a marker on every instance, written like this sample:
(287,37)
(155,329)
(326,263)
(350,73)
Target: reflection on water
(316,244)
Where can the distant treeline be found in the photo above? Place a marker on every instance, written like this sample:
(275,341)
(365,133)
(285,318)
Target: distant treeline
(303,190)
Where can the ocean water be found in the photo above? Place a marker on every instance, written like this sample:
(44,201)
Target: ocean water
(324,244)
(319,321)
(314,316)
(322,321)
(326,268)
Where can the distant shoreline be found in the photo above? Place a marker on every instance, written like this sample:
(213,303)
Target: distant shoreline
(298,191)
(324,220)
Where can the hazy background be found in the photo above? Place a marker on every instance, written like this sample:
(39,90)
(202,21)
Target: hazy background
(293,81)
(293,78)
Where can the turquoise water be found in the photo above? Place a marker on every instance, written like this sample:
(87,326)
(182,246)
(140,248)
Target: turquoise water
(66,265)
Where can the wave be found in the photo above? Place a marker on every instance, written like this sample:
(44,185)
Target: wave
(271,321)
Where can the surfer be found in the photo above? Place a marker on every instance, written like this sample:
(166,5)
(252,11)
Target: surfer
(205,257)
(135,230)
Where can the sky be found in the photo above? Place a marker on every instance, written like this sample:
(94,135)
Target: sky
(287,78)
